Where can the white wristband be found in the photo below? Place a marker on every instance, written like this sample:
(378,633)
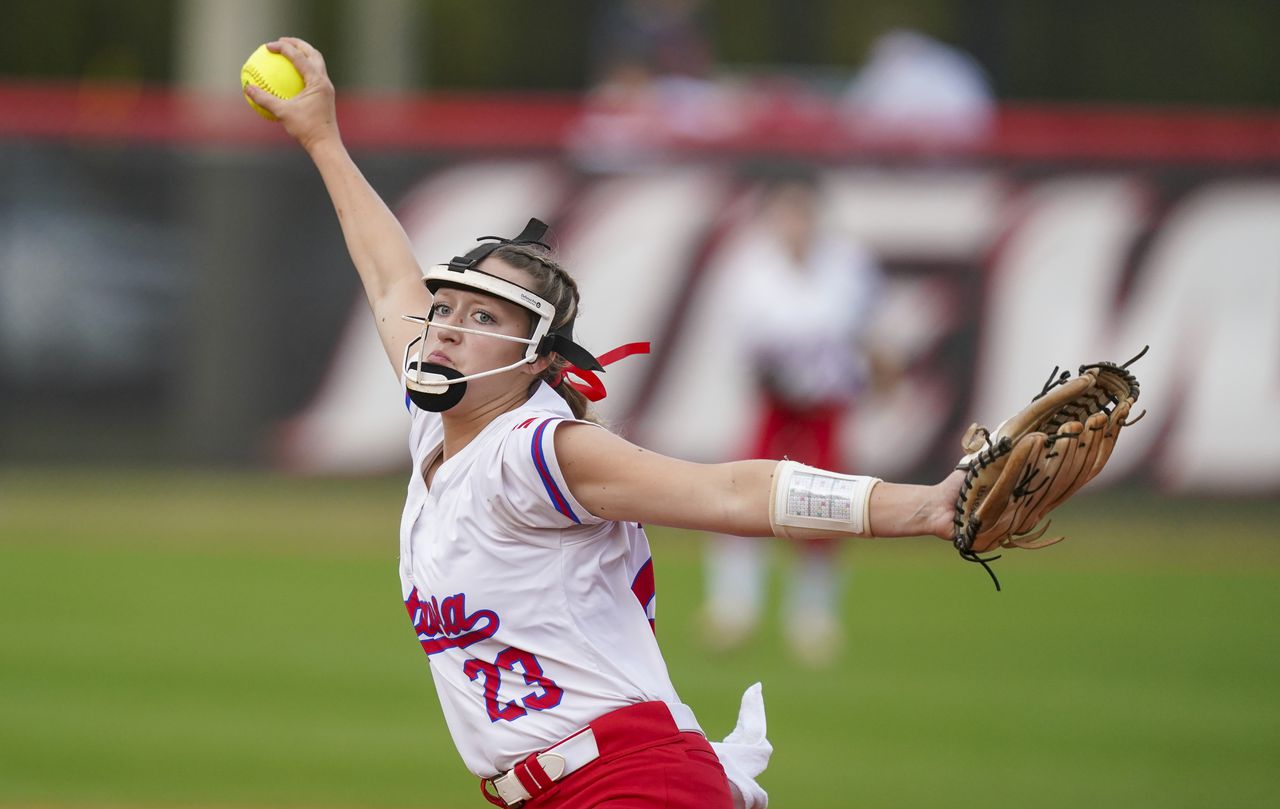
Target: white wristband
(807,497)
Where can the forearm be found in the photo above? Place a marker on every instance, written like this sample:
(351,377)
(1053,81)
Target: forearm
(894,509)
(905,510)
(376,241)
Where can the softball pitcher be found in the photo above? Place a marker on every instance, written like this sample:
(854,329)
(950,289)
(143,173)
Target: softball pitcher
(524,566)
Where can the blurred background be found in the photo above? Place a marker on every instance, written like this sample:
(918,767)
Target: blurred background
(202,455)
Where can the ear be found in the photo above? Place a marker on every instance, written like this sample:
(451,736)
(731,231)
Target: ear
(536,367)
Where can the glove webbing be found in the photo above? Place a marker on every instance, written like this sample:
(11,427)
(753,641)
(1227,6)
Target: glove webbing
(964,540)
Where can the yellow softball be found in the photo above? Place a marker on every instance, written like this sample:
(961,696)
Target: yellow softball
(272,72)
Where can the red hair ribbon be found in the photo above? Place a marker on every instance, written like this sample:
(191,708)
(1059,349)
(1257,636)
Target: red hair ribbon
(591,386)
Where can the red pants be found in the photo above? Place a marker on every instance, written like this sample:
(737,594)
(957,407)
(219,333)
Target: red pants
(645,762)
(809,436)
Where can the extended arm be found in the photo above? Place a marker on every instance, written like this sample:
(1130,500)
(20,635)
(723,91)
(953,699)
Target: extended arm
(375,239)
(616,480)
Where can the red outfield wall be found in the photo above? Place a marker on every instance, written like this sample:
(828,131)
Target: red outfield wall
(1068,235)
(130,113)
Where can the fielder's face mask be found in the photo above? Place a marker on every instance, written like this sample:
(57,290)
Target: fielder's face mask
(436,387)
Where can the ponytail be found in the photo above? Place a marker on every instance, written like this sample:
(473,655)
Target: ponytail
(553,284)
(555,377)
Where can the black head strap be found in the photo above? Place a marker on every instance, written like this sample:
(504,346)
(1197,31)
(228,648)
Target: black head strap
(561,342)
(532,234)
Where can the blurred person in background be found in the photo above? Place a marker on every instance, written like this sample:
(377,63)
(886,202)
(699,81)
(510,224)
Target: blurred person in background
(652,61)
(919,92)
(808,370)
(524,565)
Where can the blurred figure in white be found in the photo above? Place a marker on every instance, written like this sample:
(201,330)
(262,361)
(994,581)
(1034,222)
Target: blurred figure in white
(916,89)
(802,298)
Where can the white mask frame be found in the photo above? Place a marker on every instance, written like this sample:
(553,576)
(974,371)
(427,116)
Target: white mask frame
(419,377)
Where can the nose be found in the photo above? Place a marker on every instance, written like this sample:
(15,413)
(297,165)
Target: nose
(445,335)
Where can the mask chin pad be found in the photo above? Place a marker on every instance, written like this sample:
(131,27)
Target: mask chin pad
(448,396)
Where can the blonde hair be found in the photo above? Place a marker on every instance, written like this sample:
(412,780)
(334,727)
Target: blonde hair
(553,284)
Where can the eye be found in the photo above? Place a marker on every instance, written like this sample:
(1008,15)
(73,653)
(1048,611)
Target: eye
(441,310)
(484,318)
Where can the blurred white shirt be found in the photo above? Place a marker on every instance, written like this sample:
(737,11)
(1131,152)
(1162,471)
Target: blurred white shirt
(803,323)
(918,88)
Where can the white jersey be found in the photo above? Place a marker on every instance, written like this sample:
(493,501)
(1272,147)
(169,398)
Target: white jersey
(803,322)
(536,616)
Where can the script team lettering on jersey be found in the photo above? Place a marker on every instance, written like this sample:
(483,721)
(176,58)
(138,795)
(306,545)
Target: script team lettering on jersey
(445,624)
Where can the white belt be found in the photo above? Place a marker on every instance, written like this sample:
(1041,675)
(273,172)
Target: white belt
(571,754)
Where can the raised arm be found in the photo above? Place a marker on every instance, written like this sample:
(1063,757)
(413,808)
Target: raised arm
(375,239)
(617,480)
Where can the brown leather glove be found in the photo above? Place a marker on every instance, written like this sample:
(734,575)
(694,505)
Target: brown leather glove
(1039,457)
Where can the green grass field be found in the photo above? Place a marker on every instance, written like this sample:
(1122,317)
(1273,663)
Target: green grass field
(198,640)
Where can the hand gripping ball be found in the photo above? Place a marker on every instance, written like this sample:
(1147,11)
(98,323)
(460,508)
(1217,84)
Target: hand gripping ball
(274,73)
